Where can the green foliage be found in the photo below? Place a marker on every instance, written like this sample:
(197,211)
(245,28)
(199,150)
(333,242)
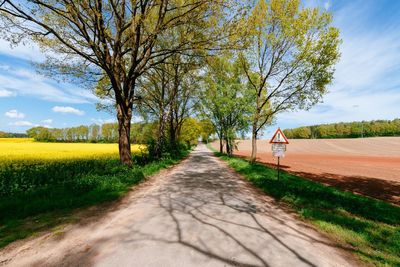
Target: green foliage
(371,228)
(38,195)
(207,129)
(40,134)
(105,133)
(190,132)
(29,175)
(289,60)
(12,135)
(225,100)
(347,130)
(110,47)
(304,132)
(143,133)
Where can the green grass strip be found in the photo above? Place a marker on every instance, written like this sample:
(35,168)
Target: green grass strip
(49,204)
(370,227)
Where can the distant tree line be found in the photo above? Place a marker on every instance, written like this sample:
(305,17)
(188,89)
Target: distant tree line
(141,133)
(12,135)
(347,130)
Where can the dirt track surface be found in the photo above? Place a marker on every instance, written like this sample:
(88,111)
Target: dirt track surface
(199,213)
(368,166)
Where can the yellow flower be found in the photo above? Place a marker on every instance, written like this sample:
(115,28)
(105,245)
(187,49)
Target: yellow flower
(15,149)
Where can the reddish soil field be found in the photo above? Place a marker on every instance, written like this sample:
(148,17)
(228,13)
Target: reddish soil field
(369,166)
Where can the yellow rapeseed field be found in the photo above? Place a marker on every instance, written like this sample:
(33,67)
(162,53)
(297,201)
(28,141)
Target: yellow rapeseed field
(26,149)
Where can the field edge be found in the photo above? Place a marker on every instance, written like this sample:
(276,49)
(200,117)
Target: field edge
(373,241)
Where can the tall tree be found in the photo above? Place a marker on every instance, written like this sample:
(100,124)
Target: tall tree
(94,132)
(207,129)
(225,100)
(183,90)
(167,93)
(191,131)
(114,41)
(290,59)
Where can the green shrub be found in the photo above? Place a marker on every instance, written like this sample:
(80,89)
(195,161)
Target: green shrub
(24,176)
(39,194)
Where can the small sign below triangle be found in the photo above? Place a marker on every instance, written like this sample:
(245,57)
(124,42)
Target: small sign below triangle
(279,138)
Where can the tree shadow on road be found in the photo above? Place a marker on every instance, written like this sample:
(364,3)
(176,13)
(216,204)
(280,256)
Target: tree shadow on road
(215,214)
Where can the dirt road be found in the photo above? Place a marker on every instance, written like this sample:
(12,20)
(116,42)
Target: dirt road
(199,213)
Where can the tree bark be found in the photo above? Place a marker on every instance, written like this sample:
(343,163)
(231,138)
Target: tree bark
(228,147)
(160,138)
(124,116)
(253,143)
(254,129)
(172,133)
(221,145)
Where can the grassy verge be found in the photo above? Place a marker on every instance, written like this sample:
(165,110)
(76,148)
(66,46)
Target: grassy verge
(370,227)
(42,196)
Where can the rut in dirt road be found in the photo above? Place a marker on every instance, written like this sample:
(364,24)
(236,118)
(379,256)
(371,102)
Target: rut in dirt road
(198,214)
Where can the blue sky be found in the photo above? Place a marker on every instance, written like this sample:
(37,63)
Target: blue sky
(366,85)
(367,78)
(28,99)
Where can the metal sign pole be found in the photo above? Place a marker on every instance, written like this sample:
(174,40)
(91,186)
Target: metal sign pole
(278,167)
(279,142)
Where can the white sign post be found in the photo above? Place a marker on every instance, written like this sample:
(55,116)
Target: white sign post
(279,142)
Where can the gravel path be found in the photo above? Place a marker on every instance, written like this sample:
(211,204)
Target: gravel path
(199,213)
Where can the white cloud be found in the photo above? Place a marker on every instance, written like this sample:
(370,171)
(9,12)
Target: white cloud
(4,67)
(367,80)
(48,121)
(5,93)
(102,121)
(136,119)
(327,5)
(30,51)
(14,114)
(22,123)
(69,110)
(26,82)
(367,60)
(44,125)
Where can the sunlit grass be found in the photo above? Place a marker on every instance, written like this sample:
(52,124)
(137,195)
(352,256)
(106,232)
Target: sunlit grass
(368,227)
(42,184)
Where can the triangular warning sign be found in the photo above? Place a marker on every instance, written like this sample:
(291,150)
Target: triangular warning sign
(279,138)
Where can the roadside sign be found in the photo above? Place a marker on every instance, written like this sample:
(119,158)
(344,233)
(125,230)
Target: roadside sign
(279,138)
(279,142)
(278,150)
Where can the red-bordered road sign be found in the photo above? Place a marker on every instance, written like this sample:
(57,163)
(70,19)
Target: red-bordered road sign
(279,138)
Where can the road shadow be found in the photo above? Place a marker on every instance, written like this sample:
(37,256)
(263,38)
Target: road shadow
(215,215)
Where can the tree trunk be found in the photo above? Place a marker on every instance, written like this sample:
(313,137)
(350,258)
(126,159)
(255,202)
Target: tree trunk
(253,143)
(172,134)
(228,147)
(221,145)
(160,138)
(124,130)
(254,130)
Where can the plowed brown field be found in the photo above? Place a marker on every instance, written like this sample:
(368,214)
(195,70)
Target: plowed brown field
(368,166)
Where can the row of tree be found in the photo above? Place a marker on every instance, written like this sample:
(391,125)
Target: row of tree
(141,133)
(12,135)
(286,64)
(233,63)
(347,130)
